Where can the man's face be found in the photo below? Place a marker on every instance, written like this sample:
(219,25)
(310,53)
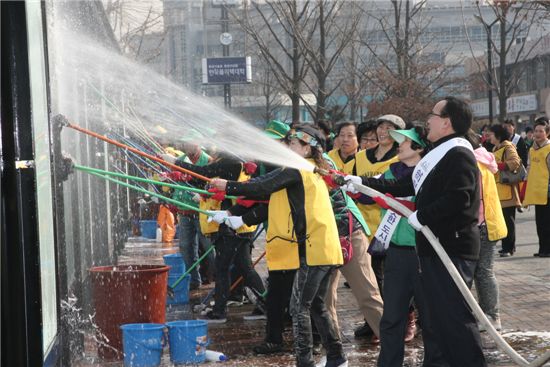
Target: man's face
(540,134)
(436,125)
(348,139)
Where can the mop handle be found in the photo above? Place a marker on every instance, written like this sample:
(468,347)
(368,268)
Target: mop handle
(140,179)
(178,281)
(137,151)
(169,200)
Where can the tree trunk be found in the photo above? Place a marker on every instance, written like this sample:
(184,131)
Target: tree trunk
(321,71)
(502,71)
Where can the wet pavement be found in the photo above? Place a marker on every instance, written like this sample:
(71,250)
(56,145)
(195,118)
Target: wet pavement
(524,294)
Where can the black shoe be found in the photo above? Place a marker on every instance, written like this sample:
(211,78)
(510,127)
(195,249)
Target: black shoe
(268,348)
(506,254)
(544,255)
(213,318)
(363,331)
(536,254)
(501,251)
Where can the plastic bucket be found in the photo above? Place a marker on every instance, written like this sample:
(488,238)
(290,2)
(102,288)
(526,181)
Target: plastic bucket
(188,341)
(126,294)
(142,344)
(181,292)
(176,264)
(148,228)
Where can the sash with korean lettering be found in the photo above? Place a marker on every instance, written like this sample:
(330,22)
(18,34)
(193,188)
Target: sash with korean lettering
(387,226)
(430,160)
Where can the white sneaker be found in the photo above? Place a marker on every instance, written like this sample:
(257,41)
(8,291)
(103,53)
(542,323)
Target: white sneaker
(323,363)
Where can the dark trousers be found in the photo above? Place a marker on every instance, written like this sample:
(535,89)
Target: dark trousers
(542,218)
(308,293)
(279,289)
(231,249)
(509,243)
(377,265)
(402,283)
(449,316)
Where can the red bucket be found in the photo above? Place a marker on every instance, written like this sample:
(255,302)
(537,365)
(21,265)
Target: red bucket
(127,294)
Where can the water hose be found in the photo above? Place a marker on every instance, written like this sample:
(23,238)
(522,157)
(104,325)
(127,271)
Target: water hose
(62,120)
(149,181)
(480,315)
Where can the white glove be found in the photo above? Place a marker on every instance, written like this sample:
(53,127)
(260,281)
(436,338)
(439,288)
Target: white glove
(168,158)
(196,198)
(350,181)
(217,216)
(413,221)
(234,222)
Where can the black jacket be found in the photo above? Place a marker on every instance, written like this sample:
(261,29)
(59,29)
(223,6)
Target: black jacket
(448,203)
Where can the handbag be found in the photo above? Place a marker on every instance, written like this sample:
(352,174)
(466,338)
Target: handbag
(345,242)
(513,177)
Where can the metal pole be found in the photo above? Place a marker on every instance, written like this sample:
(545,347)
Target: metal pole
(225,49)
(490,73)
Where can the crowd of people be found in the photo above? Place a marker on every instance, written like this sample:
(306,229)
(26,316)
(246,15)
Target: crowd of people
(466,187)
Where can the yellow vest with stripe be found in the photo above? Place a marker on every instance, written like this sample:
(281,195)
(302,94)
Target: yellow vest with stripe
(496,226)
(322,243)
(536,192)
(211,204)
(504,191)
(340,165)
(364,167)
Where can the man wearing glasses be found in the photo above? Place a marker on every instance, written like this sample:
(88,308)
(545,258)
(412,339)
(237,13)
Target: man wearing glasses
(445,182)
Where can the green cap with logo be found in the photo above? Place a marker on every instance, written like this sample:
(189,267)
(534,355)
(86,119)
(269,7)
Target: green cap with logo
(276,129)
(400,135)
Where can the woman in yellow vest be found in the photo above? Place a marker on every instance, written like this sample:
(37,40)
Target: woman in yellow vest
(507,159)
(302,235)
(537,192)
(492,228)
(344,157)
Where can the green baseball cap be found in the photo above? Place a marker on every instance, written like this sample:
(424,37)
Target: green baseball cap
(400,135)
(276,129)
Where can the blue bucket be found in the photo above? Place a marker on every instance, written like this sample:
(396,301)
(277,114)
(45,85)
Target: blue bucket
(148,228)
(181,292)
(142,344)
(188,341)
(175,261)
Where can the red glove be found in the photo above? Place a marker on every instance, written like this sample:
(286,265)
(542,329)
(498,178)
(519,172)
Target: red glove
(179,176)
(329,181)
(218,194)
(501,166)
(381,201)
(353,196)
(250,167)
(174,209)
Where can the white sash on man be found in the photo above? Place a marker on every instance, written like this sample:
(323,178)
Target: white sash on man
(388,225)
(427,164)
(515,139)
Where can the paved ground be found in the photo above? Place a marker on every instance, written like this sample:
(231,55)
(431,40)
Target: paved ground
(525,310)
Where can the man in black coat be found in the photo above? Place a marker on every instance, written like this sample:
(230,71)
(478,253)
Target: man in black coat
(447,200)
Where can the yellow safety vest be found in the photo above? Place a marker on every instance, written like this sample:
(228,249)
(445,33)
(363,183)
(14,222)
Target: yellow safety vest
(364,167)
(536,192)
(340,165)
(322,243)
(211,204)
(494,219)
(504,191)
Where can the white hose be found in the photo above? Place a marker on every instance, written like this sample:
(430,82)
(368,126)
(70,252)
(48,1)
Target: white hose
(480,315)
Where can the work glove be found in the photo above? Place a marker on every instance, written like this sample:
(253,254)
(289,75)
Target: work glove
(234,222)
(413,221)
(168,158)
(350,181)
(218,194)
(217,216)
(250,167)
(179,176)
(196,198)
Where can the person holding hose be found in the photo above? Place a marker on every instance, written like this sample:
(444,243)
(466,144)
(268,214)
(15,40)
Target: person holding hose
(301,235)
(446,185)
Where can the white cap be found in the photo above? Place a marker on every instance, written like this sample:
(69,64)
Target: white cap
(394,119)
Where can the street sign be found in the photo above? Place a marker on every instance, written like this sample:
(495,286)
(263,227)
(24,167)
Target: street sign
(227,70)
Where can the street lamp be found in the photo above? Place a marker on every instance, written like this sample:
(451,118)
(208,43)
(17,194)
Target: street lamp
(488,29)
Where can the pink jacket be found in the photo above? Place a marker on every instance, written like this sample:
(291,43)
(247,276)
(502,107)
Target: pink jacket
(488,160)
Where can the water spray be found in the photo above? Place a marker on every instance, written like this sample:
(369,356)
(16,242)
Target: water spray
(480,315)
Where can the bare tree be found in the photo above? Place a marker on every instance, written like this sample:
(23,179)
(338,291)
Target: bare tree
(276,28)
(133,23)
(410,68)
(334,29)
(515,20)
